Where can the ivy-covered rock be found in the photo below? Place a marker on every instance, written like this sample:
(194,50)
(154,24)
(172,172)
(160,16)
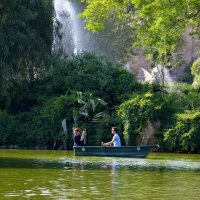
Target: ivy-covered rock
(134,114)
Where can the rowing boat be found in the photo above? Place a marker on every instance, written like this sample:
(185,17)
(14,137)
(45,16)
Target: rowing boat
(140,151)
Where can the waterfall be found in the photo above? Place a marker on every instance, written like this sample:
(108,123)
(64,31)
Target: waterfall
(76,26)
(68,39)
(74,37)
(158,75)
(63,37)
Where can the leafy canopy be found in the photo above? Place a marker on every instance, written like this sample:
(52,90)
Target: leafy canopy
(160,24)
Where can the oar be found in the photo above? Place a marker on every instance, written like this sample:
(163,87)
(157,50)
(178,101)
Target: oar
(84,135)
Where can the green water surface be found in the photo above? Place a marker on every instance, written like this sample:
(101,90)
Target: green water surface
(59,175)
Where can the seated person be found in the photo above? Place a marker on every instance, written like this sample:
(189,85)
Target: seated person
(116,142)
(78,137)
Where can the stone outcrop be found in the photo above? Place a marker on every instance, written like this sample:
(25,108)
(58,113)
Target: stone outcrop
(188,54)
(147,136)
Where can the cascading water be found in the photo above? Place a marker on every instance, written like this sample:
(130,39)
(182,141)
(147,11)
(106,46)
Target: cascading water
(74,25)
(161,74)
(65,39)
(74,37)
(158,75)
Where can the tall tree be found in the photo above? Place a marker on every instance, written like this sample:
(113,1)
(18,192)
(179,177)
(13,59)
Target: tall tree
(26,35)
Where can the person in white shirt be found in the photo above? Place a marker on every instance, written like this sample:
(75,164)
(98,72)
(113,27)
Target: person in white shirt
(116,142)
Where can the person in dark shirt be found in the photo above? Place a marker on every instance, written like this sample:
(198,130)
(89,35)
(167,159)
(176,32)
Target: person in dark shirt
(78,137)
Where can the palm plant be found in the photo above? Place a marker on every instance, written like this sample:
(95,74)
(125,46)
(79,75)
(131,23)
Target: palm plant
(89,106)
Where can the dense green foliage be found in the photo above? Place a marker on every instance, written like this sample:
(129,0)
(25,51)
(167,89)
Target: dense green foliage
(184,136)
(39,109)
(26,34)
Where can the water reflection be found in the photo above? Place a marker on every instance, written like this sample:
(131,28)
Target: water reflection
(71,162)
(115,175)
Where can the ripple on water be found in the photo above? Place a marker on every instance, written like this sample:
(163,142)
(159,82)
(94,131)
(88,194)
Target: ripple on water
(116,163)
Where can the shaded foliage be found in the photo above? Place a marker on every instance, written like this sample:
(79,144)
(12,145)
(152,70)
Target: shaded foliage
(26,35)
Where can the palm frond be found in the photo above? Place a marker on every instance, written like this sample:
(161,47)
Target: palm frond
(80,95)
(83,110)
(93,104)
(98,117)
(101,101)
(81,101)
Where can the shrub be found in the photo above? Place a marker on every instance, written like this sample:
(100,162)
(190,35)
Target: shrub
(184,135)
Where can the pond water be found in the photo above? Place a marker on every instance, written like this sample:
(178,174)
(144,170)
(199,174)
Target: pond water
(59,175)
